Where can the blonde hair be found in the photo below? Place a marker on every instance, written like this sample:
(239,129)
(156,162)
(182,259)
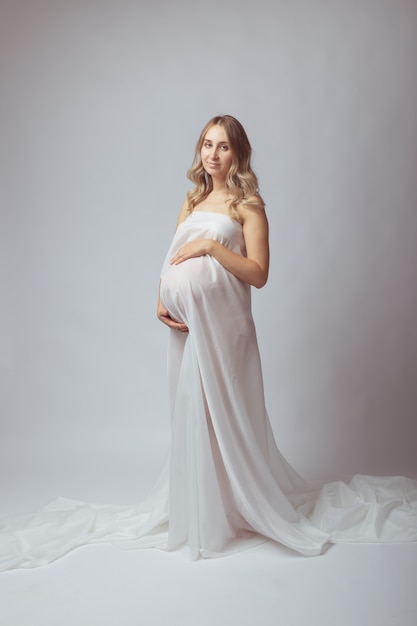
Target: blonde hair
(241,180)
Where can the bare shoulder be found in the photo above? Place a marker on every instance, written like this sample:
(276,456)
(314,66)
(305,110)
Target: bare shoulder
(184,212)
(253,212)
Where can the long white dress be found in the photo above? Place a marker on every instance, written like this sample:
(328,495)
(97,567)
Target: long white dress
(225,485)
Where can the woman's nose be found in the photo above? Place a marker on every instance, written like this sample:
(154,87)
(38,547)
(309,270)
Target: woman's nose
(213,153)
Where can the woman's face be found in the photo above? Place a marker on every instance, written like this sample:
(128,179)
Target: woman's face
(216,154)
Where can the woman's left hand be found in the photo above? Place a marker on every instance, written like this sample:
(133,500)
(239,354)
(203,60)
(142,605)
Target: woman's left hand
(193,249)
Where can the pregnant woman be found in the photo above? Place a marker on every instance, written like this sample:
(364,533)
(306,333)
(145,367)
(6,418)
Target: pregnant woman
(227,478)
(225,486)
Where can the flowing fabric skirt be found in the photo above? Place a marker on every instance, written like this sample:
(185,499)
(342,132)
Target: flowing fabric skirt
(225,485)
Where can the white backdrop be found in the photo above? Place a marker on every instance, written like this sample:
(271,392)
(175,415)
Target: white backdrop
(102,103)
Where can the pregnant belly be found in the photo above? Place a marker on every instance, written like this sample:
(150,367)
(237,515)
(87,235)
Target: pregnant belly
(186,286)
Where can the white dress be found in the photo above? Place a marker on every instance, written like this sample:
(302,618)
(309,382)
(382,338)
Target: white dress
(225,486)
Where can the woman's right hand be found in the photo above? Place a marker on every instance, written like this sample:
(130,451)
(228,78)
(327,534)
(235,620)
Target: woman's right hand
(165,317)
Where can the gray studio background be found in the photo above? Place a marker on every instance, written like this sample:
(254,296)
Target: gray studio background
(101,105)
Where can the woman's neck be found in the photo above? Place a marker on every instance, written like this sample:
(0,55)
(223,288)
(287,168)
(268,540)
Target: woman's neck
(219,185)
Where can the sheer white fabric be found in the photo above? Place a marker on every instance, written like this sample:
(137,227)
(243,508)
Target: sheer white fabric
(225,485)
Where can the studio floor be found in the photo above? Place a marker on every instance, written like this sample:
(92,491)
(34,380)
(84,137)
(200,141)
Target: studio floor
(350,585)
(100,585)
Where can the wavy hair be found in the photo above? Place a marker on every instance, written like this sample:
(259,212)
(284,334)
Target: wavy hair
(241,180)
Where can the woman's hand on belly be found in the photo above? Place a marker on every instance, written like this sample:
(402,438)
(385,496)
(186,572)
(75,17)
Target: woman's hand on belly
(192,249)
(165,317)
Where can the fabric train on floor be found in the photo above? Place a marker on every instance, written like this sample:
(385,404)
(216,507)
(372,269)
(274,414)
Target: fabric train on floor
(225,486)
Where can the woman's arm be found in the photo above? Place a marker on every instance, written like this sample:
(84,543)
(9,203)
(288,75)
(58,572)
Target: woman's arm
(161,312)
(253,268)
(183,213)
